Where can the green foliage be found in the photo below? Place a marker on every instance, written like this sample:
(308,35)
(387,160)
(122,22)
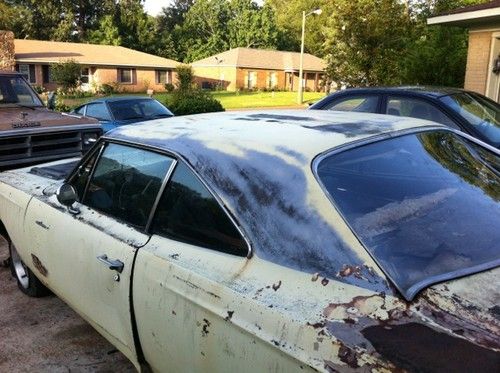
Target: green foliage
(193,102)
(38,89)
(169,87)
(361,51)
(213,26)
(66,73)
(107,33)
(435,55)
(107,89)
(185,78)
(188,98)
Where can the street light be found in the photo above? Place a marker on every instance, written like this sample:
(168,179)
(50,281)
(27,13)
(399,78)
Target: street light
(300,96)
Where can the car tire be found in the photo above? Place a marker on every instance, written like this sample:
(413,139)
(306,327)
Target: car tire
(27,282)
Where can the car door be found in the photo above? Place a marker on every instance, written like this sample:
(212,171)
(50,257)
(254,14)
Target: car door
(87,254)
(195,286)
(416,107)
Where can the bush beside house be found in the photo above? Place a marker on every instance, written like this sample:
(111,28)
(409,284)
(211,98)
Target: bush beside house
(188,98)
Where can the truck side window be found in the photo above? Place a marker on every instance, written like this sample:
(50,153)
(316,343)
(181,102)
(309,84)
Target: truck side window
(188,212)
(126,183)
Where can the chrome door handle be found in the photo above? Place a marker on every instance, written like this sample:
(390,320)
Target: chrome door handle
(113,264)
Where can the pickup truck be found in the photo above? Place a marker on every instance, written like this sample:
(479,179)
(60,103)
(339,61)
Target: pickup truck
(278,241)
(30,133)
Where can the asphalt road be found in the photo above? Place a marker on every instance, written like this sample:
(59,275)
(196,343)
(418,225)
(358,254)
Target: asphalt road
(45,335)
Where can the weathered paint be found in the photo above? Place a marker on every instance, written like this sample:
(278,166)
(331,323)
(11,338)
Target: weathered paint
(201,310)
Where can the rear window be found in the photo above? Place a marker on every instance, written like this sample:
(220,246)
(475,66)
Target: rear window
(426,206)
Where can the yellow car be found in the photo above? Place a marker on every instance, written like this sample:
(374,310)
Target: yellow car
(283,241)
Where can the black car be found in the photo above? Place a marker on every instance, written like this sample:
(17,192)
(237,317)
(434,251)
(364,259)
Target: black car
(467,111)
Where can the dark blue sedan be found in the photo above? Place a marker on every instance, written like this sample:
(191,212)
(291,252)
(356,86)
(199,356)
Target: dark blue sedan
(113,112)
(467,111)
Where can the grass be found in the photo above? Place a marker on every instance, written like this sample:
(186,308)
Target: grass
(233,100)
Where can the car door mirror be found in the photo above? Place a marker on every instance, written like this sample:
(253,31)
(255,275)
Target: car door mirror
(66,195)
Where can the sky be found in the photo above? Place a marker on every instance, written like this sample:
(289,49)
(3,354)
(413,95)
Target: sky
(153,7)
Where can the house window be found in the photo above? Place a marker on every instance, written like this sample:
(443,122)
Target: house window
(85,75)
(163,76)
(47,74)
(252,79)
(28,71)
(125,76)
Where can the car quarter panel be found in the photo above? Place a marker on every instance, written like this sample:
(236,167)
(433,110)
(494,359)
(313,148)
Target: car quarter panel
(201,310)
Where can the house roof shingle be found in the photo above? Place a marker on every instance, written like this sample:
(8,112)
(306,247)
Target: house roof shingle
(41,51)
(262,59)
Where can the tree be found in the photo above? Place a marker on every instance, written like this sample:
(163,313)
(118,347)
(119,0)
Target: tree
(364,40)
(288,15)
(435,55)
(66,73)
(107,33)
(213,26)
(14,18)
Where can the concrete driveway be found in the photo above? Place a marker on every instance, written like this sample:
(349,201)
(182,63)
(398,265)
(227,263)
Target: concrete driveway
(45,335)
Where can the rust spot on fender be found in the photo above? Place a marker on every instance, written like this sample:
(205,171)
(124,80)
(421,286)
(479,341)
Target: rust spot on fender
(39,266)
(430,350)
(324,282)
(348,356)
(348,270)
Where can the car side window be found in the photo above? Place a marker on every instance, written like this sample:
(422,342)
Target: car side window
(126,182)
(358,103)
(80,110)
(416,108)
(80,178)
(98,111)
(188,212)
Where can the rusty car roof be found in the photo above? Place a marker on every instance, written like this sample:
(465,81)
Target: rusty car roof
(308,133)
(259,165)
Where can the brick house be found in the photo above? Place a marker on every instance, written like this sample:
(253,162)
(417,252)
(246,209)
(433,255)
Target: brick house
(130,70)
(248,68)
(483,22)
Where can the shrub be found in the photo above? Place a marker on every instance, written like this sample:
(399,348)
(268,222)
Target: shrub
(107,89)
(194,101)
(169,87)
(66,73)
(39,89)
(189,99)
(185,77)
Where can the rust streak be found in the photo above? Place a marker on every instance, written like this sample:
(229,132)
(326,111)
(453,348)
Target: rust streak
(39,266)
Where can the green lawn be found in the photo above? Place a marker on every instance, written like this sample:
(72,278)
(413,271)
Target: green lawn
(234,100)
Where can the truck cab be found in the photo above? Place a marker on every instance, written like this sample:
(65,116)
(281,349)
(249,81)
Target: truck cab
(31,133)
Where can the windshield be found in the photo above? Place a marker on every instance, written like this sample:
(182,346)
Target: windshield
(14,90)
(482,114)
(138,109)
(426,206)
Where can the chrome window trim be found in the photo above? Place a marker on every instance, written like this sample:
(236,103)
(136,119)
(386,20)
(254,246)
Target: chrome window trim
(377,138)
(164,183)
(178,158)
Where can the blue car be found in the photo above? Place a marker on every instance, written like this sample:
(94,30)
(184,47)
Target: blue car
(467,111)
(114,112)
